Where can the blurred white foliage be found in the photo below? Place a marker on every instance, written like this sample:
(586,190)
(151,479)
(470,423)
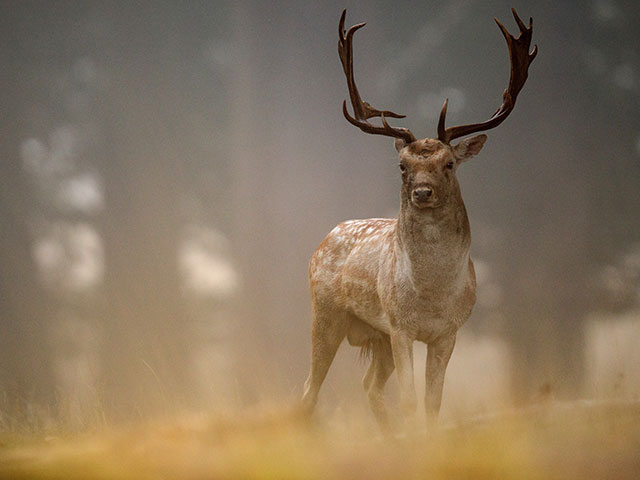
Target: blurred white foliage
(82,193)
(612,355)
(622,278)
(56,158)
(70,256)
(57,168)
(206,269)
(430,103)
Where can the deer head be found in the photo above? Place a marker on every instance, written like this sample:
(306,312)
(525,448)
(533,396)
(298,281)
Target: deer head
(428,166)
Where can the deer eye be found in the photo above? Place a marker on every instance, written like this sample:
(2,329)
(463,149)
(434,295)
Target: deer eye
(403,169)
(450,165)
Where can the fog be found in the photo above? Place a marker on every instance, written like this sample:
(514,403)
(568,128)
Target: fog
(168,168)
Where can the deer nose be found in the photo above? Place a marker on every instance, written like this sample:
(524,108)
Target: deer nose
(422,194)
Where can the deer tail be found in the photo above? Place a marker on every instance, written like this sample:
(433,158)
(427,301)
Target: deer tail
(368,349)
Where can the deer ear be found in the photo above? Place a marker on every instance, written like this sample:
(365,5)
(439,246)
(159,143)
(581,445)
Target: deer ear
(400,144)
(469,147)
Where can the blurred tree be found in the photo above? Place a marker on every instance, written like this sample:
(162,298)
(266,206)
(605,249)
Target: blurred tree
(26,373)
(147,329)
(26,370)
(129,82)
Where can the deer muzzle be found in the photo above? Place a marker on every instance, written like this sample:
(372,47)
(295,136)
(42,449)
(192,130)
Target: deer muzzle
(423,196)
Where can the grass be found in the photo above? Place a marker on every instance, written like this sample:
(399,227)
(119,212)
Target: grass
(558,440)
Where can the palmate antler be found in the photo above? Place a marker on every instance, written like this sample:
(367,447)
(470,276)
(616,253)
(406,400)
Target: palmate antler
(363,110)
(520,61)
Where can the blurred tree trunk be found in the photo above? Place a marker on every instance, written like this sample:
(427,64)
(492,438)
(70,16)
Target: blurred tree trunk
(26,363)
(146,357)
(253,230)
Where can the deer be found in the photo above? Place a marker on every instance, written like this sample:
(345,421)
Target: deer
(386,283)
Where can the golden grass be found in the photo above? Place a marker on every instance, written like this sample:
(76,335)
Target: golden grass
(564,441)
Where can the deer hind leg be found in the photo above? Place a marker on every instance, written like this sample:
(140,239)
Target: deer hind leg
(328,330)
(375,379)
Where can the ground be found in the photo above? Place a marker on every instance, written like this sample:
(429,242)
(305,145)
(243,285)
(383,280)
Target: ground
(578,440)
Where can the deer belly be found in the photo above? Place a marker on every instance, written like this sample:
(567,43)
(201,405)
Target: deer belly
(360,333)
(361,298)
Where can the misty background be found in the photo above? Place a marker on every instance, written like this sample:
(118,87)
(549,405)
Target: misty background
(168,168)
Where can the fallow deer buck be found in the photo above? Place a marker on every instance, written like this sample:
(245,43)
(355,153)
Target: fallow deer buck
(384,283)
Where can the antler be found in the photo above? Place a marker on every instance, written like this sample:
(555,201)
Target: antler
(363,110)
(520,61)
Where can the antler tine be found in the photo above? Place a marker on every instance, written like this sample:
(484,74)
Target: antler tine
(520,59)
(363,110)
(442,133)
(520,23)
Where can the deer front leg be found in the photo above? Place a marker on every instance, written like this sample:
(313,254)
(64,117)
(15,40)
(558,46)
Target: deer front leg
(438,355)
(402,349)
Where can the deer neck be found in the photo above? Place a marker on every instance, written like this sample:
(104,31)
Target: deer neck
(434,244)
